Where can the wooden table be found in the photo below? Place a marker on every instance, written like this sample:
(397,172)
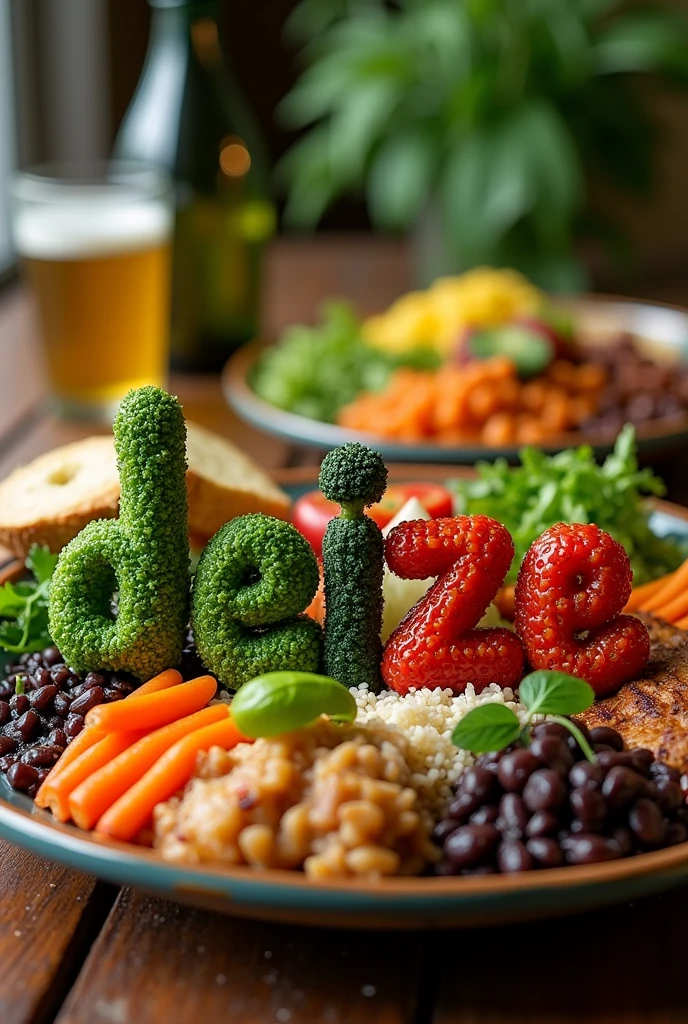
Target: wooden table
(78,951)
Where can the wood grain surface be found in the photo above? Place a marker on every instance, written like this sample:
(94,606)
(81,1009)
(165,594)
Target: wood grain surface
(156,961)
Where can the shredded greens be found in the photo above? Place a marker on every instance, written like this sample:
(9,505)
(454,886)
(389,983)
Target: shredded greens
(314,371)
(24,606)
(571,487)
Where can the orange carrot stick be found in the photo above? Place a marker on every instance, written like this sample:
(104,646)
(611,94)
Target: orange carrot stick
(674,610)
(89,801)
(645,591)
(128,815)
(87,738)
(676,586)
(55,793)
(153,709)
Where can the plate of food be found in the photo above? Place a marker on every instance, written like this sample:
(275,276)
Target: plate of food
(392,702)
(473,367)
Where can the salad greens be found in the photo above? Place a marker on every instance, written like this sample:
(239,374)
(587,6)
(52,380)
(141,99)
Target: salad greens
(571,487)
(314,371)
(24,606)
(492,727)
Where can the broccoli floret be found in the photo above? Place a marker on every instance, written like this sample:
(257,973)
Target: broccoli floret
(143,556)
(253,579)
(353,557)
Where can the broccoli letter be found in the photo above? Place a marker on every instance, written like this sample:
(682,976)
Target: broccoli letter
(254,577)
(143,556)
(353,558)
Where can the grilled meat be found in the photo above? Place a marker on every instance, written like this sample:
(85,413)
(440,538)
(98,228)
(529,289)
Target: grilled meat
(653,711)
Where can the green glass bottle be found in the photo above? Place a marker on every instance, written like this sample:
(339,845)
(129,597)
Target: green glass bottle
(189,117)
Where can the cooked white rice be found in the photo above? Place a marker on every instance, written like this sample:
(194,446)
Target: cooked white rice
(427,718)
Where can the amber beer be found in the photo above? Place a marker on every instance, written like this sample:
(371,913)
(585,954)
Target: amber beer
(99,265)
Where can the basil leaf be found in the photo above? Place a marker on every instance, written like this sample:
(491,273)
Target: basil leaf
(555,693)
(486,728)
(279,702)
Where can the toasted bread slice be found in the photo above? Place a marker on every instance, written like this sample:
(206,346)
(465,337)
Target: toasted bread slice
(50,500)
(222,483)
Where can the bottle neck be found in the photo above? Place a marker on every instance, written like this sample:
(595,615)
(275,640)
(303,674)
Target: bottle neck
(180,23)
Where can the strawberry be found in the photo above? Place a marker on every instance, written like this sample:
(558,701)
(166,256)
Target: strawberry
(436,645)
(572,585)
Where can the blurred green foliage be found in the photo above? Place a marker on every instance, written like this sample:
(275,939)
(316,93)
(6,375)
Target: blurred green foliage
(491,112)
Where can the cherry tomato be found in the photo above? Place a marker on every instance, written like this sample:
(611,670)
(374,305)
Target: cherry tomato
(312,511)
(435,499)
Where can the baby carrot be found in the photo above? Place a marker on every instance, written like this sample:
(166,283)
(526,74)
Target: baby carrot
(673,610)
(100,789)
(676,586)
(153,709)
(128,815)
(682,623)
(55,792)
(87,738)
(644,592)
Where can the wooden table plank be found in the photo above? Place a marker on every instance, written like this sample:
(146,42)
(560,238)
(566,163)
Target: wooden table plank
(623,964)
(50,915)
(156,961)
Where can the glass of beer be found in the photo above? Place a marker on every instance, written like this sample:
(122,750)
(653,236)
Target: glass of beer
(96,247)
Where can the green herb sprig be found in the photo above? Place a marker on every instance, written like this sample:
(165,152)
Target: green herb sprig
(493,727)
(279,702)
(24,606)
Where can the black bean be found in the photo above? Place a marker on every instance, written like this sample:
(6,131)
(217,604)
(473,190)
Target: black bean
(443,829)
(6,689)
(27,725)
(51,656)
(7,745)
(59,674)
(40,699)
(589,806)
(43,774)
(552,752)
(478,780)
(560,732)
(57,738)
(603,734)
(515,769)
(621,787)
(463,805)
(661,770)
(585,775)
(41,756)
(668,795)
(513,857)
(7,761)
(587,848)
(486,815)
(22,776)
(73,725)
(607,759)
(647,822)
(19,704)
(471,844)
(675,833)
(5,714)
(61,704)
(641,758)
(545,851)
(543,823)
(513,816)
(94,679)
(90,699)
(625,838)
(544,790)
(41,677)
(683,783)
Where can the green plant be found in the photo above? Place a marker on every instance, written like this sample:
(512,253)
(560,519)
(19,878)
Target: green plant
(490,112)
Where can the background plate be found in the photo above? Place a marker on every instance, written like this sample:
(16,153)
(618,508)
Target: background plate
(600,320)
(393,903)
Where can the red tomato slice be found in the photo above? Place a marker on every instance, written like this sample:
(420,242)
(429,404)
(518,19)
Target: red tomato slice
(435,499)
(312,511)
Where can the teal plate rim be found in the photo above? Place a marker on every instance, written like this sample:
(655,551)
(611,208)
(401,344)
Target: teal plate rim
(407,903)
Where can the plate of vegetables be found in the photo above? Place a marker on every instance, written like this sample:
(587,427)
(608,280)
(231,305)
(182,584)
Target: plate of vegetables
(465,760)
(475,366)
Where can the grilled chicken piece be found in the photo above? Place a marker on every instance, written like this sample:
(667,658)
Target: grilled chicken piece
(653,711)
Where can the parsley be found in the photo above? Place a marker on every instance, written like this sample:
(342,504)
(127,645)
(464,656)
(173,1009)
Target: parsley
(24,606)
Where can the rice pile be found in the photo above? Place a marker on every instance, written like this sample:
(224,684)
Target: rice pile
(427,719)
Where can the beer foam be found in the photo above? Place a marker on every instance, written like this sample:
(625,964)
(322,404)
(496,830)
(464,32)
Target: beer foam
(84,229)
